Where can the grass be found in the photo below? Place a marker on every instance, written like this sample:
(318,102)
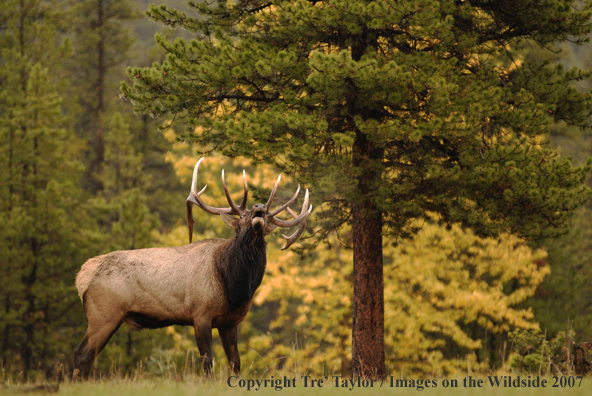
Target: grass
(174,381)
(198,385)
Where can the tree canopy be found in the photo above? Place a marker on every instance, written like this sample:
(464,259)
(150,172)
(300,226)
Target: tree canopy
(437,88)
(390,110)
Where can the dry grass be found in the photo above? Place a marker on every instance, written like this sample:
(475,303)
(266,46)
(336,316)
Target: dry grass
(191,385)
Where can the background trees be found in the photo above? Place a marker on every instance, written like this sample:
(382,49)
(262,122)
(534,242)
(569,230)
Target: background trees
(101,44)
(52,213)
(456,122)
(450,296)
(389,110)
(42,208)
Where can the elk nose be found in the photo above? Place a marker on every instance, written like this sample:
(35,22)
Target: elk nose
(258,208)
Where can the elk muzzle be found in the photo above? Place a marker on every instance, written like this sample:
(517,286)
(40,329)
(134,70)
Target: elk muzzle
(258,216)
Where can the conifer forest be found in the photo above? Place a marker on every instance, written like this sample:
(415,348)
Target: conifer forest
(446,146)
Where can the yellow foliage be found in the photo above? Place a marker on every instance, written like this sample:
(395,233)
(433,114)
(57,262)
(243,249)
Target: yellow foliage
(436,285)
(453,278)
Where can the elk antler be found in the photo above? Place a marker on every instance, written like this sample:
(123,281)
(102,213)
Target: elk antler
(299,220)
(235,209)
(301,217)
(194,199)
(268,204)
(243,204)
(294,237)
(284,206)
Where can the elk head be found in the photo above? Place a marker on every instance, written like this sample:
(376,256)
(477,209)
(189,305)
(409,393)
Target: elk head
(261,218)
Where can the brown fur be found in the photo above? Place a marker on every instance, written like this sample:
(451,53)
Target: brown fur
(186,285)
(207,284)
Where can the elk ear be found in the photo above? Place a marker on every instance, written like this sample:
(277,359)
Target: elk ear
(269,228)
(229,220)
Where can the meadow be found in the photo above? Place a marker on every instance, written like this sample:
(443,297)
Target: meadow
(301,382)
(220,387)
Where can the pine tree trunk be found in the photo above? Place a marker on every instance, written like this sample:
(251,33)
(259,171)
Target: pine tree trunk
(29,328)
(368,303)
(5,335)
(100,91)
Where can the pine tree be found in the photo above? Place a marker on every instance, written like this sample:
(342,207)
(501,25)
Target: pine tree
(42,213)
(387,110)
(128,219)
(101,44)
(561,302)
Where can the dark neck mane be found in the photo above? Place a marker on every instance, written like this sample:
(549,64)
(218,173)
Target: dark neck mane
(241,264)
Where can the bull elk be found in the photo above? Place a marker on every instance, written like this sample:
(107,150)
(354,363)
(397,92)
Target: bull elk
(206,284)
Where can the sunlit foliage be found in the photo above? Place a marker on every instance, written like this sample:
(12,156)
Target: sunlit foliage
(436,284)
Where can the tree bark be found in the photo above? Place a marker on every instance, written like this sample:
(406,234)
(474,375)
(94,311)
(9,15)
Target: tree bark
(100,91)
(5,336)
(29,316)
(368,302)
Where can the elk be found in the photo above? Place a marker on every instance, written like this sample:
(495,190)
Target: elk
(206,284)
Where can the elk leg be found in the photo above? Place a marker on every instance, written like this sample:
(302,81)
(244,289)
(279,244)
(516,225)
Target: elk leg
(203,337)
(96,337)
(229,337)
